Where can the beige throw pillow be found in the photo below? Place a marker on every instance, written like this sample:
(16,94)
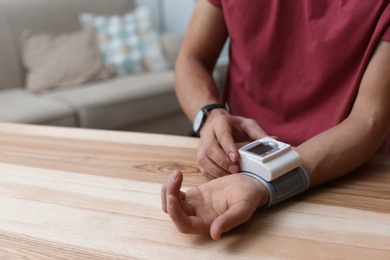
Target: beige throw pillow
(54,60)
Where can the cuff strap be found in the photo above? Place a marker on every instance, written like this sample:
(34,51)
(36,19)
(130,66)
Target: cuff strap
(286,186)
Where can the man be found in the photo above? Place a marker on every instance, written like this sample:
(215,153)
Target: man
(314,74)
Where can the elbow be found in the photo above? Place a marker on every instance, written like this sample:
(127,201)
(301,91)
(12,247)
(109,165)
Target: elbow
(375,128)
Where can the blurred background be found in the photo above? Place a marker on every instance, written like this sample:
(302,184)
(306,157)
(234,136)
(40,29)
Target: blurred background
(171,15)
(102,64)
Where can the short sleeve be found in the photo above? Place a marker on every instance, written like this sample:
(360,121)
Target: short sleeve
(385,19)
(217,3)
(386,34)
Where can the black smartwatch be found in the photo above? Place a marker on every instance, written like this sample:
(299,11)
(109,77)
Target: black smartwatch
(201,116)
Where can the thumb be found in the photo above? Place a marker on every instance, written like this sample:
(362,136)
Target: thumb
(233,217)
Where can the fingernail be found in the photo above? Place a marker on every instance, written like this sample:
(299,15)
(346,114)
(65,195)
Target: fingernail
(174,176)
(233,168)
(232,156)
(170,204)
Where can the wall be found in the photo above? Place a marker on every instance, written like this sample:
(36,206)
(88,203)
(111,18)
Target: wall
(171,15)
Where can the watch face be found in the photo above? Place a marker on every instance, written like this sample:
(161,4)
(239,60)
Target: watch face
(198,121)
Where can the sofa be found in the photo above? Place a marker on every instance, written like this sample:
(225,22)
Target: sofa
(143,101)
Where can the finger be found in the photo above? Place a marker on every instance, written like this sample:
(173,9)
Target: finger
(211,155)
(184,223)
(243,129)
(233,217)
(234,129)
(209,168)
(212,158)
(206,174)
(163,198)
(189,210)
(211,177)
(224,135)
(171,187)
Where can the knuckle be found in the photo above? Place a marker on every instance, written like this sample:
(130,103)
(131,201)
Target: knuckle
(201,158)
(209,176)
(225,164)
(251,122)
(216,172)
(211,171)
(205,174)
(224,119)
(208,150)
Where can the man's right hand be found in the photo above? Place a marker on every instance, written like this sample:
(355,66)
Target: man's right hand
(214,207)
(217,150)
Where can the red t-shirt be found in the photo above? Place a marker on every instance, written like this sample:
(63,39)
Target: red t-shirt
(295,66)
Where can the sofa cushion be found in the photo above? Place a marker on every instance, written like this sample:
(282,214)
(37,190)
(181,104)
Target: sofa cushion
(61,59)
(129,43)
(122,101)
(44,15)
(171,44)
(19,106)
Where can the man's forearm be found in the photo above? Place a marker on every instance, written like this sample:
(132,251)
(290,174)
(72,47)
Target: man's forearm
(204,40)
(195,86)
(346,146)
(340,150)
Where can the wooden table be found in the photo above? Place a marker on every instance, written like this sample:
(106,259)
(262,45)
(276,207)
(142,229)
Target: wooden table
(88,194)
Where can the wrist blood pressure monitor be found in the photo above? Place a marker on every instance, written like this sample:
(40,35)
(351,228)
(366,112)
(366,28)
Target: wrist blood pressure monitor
(276,165)
(268,158)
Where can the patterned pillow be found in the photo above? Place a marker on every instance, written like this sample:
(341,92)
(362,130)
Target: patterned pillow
(128,43)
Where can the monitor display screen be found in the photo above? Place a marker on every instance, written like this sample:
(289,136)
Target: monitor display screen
(260,149)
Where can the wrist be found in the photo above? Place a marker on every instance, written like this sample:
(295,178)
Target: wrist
(213,114)
(285,186)
(264,201)
(203,114)
(261,191)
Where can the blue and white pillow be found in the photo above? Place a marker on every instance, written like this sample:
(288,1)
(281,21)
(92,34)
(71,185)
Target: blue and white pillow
(128,43)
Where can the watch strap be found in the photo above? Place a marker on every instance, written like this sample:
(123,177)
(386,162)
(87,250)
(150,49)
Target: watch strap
(206,109)
(286,186)
(210,107)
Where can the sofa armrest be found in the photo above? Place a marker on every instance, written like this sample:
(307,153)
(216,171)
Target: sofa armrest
(171,44)
(219,74)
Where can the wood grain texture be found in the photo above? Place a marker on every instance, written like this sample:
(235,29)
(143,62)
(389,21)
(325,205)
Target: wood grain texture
(88,194)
